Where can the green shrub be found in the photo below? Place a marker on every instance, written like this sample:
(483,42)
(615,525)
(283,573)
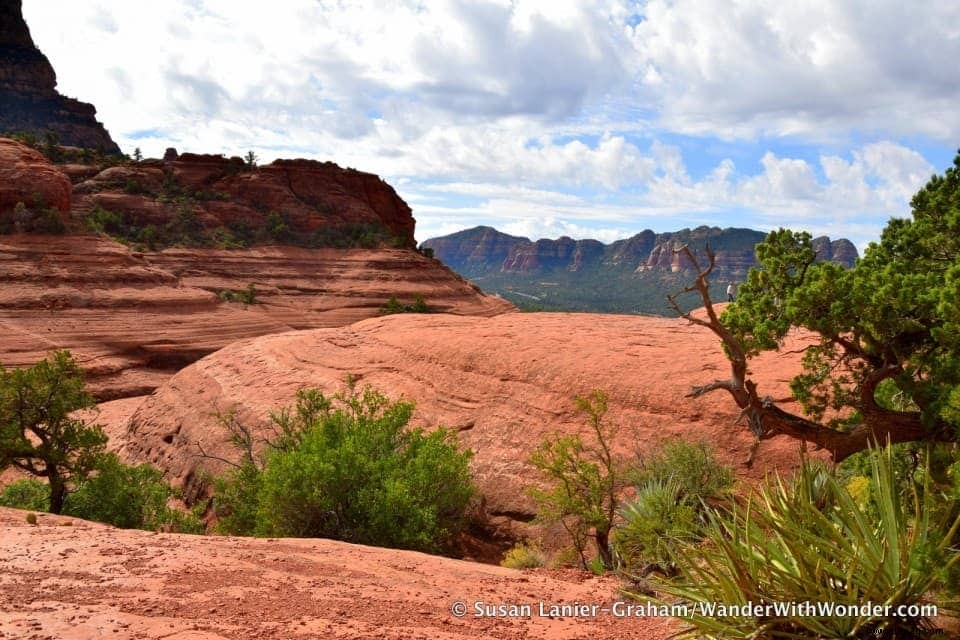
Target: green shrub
(246,296)
(36,219)
(351,472)
(524,556)
(693,465)
(26,493)
(585,482)
(808,541)
(395,306)
(236,500)
(104,221)
(129,497)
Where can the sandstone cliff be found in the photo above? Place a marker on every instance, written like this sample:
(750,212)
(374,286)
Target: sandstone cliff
(29,101)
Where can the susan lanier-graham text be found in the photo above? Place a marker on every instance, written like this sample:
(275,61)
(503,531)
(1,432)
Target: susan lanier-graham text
(574,609)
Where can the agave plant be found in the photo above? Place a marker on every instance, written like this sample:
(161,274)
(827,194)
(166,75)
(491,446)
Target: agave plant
(806,546)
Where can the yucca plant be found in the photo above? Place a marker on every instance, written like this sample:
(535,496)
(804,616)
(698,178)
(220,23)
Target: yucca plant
(655,520)
(807,546)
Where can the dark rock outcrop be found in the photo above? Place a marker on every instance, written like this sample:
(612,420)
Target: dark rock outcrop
(839,251)
(29,101)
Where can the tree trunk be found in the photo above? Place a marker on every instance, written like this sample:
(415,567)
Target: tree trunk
(58,493)
(603,548)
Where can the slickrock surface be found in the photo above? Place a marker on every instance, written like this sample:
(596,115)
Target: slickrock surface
(133,319)
(504,382)
(87,581)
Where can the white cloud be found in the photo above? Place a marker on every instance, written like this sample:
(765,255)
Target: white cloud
(548,115)
(818,68)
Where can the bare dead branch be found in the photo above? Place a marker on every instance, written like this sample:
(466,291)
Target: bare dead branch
(203,454)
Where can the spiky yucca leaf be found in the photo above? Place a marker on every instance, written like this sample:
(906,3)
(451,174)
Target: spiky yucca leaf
(808,541)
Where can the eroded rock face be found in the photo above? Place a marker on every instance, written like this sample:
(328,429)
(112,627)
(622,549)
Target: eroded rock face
(505,383)
(28,97)
(133,319)
(27,177)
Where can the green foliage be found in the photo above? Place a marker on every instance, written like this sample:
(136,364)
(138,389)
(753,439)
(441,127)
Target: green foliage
(585,482)
(654,522)
(395,306)
(276,228)
(26,493)
(365,235)
(250,159)
(38,433)
(692,465)
(129,497)
(246,296)
(894,318)
(524,556)
(137,155)
(808,541)
(674,487)
(38,218)
(348,469)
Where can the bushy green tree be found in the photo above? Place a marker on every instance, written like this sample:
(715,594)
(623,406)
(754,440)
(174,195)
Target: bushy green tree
(38,431)
(893,320)
(348,468)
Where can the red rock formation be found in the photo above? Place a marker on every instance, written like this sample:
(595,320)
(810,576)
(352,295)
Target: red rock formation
(133,319)
(309,195)
(28,97)
(27,177)
(504,382)
(89,580)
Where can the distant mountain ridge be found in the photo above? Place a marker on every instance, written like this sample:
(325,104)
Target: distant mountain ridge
(628,275)
(481,250)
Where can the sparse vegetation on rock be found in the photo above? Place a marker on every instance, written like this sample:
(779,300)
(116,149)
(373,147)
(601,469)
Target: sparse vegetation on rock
(524,555)
(246,296)
(393,306)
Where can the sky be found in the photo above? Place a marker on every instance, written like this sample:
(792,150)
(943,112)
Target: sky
(542,118)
